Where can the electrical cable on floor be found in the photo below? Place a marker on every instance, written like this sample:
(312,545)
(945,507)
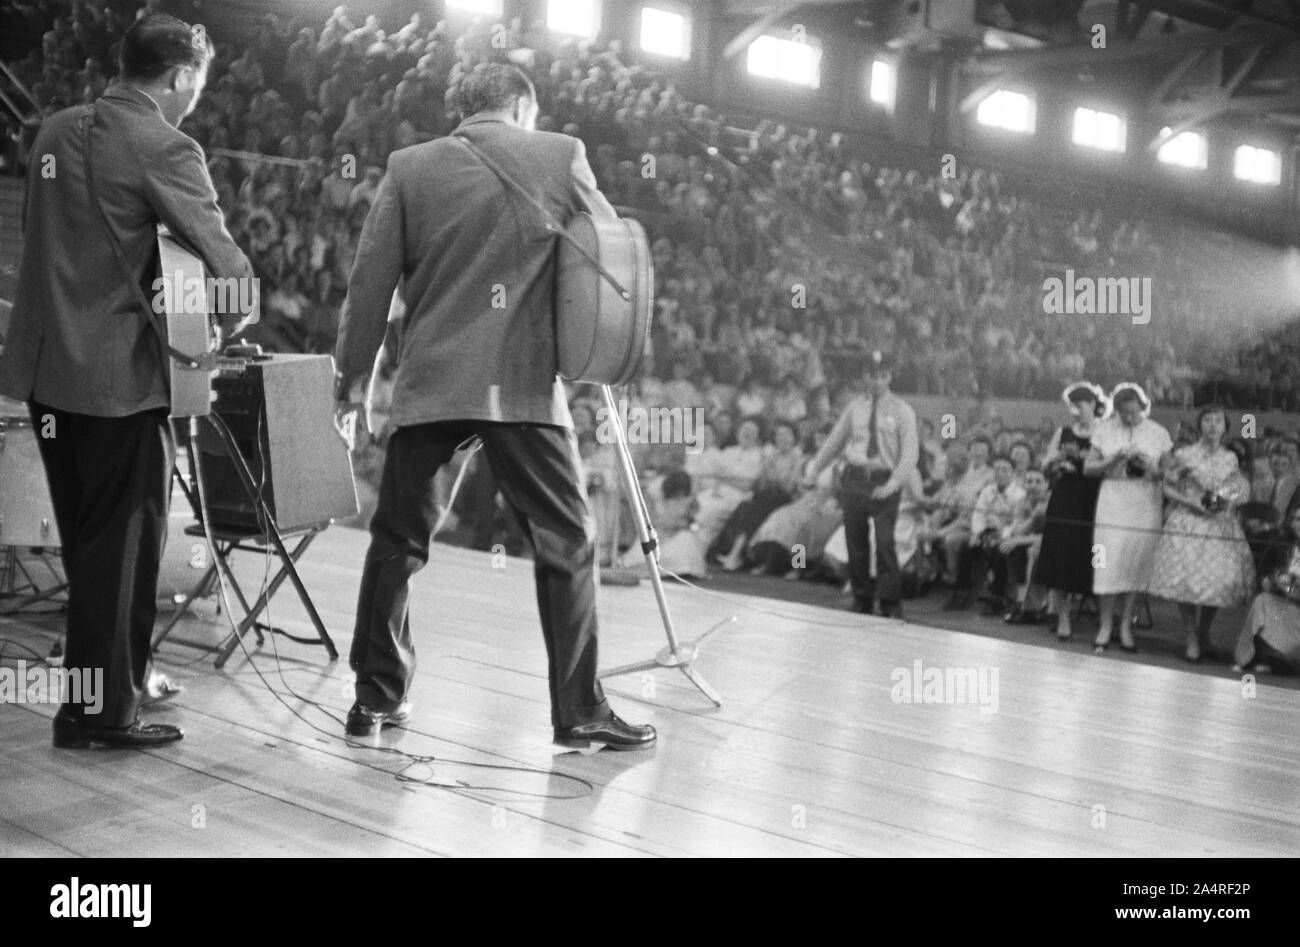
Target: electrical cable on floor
(413,760)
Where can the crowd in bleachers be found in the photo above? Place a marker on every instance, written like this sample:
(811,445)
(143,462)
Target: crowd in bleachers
(782,255)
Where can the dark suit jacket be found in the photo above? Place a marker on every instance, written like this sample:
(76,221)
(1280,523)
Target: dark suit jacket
(478,340)
(77,340)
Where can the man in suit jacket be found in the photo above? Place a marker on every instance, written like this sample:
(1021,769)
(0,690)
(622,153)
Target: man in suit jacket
(476,359)
(81,353)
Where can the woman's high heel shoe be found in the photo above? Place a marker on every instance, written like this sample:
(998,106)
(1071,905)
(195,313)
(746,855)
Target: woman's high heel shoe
(1099,646)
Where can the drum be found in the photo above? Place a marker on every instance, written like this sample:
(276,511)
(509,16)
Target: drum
(600,337)
(26,511)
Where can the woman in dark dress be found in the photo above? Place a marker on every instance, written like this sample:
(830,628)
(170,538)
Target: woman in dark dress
(1065,562)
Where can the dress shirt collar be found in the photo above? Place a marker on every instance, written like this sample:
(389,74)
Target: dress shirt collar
(129,93)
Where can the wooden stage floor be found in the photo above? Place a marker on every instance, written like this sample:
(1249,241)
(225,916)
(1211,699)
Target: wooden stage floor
(812,754)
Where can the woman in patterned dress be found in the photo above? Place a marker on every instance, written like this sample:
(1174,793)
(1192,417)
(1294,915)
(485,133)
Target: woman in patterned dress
(1065,562)
(1126,453)
(1203,561)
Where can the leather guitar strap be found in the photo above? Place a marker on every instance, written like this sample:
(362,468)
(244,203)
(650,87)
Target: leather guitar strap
(552,225)
(146,307)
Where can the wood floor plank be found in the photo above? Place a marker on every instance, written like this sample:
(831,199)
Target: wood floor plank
(812,754)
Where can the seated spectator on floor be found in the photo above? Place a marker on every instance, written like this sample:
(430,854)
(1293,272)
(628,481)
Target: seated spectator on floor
(791,540)
(672,510)
(783,464)
(935,454)
(955,534)
(915,554)
(726,479)
(990,523)
(1022,459)
(1271,633)
(789,404)
(1263,518)
(1023,545)
(940,506)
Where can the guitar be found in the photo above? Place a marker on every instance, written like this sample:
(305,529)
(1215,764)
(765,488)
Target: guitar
(189,329)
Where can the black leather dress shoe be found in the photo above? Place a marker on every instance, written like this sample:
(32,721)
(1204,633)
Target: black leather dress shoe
(365,722)
(613,733)
(73,733)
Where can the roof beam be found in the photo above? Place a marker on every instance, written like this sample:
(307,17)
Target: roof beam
(756,29)
(1215,103)
(1075,56)
(1248,104)
(1235,13)
(1176,75)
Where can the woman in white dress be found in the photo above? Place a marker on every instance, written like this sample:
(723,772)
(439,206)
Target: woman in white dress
(1127,451)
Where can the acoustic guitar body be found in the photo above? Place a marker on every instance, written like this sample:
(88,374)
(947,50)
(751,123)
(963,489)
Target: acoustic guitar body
(600,337)
(188,327)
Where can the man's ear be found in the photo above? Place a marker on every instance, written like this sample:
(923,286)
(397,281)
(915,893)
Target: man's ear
(183,79)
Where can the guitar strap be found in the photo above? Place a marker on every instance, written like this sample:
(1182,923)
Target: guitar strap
(146,307)
(553,225)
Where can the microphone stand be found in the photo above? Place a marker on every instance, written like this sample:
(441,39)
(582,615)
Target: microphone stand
(678,654)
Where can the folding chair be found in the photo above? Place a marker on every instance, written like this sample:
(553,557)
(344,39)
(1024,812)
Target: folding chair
(227,542)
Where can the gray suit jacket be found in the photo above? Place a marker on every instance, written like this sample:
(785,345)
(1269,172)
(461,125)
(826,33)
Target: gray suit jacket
(478,338)
(77,340)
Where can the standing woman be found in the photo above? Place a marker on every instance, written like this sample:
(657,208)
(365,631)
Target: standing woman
(1203,561)
(1065,562)
(1126,453)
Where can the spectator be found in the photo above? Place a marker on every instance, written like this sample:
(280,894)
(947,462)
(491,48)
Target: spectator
(1022,459)
(782,468)
(1065,565)
(1203,562)
(1271,632)
(1022,547)
(727,481)
(995,511)
(792,538)
(673,508)
(955,516)
(1127,451)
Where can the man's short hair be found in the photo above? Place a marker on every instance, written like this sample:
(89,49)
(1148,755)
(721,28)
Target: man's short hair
(158,42)
(493,87)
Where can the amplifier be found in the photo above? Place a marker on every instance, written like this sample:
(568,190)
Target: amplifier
(281,413)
